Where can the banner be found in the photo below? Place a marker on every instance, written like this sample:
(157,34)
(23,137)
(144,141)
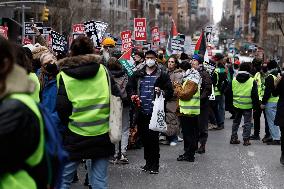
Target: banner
(78,30)
(155,35)
(126,40)
(140,33)
(127,62)
(4,31)
(95,30)
(58,42)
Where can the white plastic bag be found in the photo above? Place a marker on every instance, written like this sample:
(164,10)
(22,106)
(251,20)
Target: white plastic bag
(157,122)
(212,96)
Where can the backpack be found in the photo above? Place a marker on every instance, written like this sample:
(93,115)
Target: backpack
(55,154)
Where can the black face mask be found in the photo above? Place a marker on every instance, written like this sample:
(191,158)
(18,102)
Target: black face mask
(264,69)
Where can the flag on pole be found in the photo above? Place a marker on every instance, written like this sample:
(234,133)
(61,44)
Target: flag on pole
(127,62)
(200,46)
(173,34)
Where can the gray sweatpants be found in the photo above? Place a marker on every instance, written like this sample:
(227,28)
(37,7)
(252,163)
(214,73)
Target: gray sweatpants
(247,123)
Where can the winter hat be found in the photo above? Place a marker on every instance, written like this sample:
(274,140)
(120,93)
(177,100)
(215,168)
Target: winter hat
(272,64)
(198,58)
(39,50)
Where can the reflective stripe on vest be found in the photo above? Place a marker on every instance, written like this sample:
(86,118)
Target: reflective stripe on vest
(260,85)
(242,93)
(273,99)
(216,90)
(91,101)
(192,106)
(21,179)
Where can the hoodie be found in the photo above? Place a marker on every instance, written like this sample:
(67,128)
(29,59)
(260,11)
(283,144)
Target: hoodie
(242,77)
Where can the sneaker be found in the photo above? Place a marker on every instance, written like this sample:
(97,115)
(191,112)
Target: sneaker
(267,139)
(154,171)
(274,142)
(173,144)
(114,160)
(201,149)
(180,139)
(165,142)
(246,142)
(211,126)
(124,159)
(254,137)
(185,158)
(235,141)
(219,128)
(282,159)
(145,168)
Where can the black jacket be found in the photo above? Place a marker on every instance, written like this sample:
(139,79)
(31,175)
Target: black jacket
(279,118)
(221,83)
(242,78)
(81,147)
(206,85)
(269,87)
(163,82)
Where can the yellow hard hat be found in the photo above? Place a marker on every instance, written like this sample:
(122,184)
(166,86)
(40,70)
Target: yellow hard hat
(108,42)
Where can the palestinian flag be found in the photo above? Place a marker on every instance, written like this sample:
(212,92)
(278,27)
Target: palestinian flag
(173,34)
(200,46)
(127,62)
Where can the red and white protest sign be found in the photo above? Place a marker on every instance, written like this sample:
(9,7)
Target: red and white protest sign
(78,29)
(4,31)
(27,41)
(155,35)
(126,40)
(140,33)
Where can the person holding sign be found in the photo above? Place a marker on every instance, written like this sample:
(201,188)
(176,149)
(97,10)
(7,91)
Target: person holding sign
(143,87)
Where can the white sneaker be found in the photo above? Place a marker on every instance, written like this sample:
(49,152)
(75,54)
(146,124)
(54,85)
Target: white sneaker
(180,139)
(173,144)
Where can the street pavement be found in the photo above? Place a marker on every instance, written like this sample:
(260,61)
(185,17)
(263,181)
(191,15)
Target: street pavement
(223,166)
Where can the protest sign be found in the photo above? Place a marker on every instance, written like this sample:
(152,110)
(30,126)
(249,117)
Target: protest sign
(127,62)
(101,29)
(95,30)
(30,31)
(209,67)
(4,31)
(178,44)
(126,40)
(155,35)
(27,41)
(58,42)
(78,30)
(140,33)
(162,37)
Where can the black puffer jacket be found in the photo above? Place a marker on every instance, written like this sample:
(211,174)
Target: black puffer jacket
(269,86)
(206,85)
(81,147)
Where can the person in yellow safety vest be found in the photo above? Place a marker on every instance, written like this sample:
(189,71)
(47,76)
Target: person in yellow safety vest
(269,102)
(260,73)
(83,106)
(189,107)
(245,98)
(23,164)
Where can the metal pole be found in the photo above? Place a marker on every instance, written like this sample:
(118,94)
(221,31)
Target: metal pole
(60,24)
(23,22)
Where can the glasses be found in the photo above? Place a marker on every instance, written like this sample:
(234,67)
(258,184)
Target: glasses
(171,61)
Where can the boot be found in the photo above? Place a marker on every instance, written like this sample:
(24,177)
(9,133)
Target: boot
(201,149)
(246,142)
(234,140)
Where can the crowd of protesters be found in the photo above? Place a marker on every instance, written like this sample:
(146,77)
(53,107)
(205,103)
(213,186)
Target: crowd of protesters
(75,90)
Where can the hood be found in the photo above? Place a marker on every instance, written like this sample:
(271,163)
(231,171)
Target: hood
(243,76)
(80,67)
(17,82)
(117,73)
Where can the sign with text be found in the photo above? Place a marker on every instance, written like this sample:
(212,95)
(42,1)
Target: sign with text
(178,45)
(140,33)
(58,42)
(155,35)
(126,40)
(95,30)
(30,31)
(4,31)
(78,30)
(27,41)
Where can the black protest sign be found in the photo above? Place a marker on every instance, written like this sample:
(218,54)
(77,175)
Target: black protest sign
(95,30)
(58,42)
(30,31)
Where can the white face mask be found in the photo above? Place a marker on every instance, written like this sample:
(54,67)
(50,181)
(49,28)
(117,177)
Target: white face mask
(150,62)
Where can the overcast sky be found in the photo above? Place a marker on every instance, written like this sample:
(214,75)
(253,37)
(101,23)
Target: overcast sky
(217,10)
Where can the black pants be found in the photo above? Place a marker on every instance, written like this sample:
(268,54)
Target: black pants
(150,140)
(256,117)
(282,139)
(190,134)
(203,121)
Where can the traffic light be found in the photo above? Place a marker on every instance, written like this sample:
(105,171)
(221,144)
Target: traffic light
(45,13)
